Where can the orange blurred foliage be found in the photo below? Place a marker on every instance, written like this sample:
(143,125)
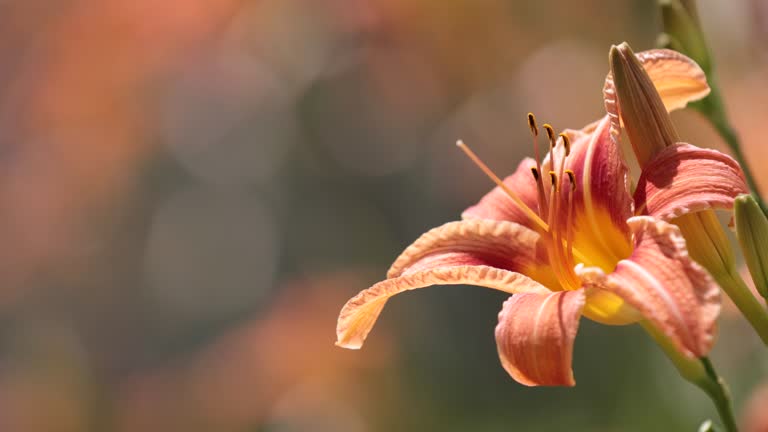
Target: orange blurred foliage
(76,120)
(244,377)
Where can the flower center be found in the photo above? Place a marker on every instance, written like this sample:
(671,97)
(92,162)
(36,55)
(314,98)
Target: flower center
(555,206)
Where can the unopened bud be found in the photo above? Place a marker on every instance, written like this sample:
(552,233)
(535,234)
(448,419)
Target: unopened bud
(641,109)
(752,232)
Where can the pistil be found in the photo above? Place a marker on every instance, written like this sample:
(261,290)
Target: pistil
(520,203)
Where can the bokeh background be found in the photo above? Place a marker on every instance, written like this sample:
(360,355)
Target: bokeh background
(190,191)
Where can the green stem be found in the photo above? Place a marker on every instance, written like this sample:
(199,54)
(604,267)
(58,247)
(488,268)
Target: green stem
(742,297)
(700,372)
(720,396)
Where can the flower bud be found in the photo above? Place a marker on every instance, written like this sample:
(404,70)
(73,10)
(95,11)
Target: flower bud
(641,109)
(707,242)
(752,232)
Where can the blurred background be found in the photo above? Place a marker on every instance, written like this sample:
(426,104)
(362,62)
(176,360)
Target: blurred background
(190,191)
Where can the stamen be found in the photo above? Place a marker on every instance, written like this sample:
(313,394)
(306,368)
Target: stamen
(561,253)
(532,124)
(527,210)
(566,143)
(541,201)
(562,161)
(550,134)
(571,178)
(554,229)
(552,143)
(535,173)
(542,196)
(569,218)
(555,250)
(554,202)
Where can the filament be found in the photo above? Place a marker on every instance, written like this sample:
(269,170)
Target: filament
(569,218)
(551,136)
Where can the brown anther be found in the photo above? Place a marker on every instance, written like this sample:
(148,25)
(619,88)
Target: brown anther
(553,178)
(571,178)
(550,134)
(532,124)
(566,143)
(535,173)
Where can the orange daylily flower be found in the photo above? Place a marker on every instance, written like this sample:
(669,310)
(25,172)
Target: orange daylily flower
(574,241)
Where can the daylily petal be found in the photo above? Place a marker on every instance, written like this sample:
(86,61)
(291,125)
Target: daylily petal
(497,205)
(358,316)
(602,201)
(677,79)
(535,336)
(500,244)
(661,281)
(684,178)
(575,134)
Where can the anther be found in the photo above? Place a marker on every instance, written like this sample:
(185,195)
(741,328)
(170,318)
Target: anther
(571,178)
(532,124)
(553,178)
(535,173)
(566,143)
(550,134)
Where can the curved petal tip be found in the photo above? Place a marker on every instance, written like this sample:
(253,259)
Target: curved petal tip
(360,313)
